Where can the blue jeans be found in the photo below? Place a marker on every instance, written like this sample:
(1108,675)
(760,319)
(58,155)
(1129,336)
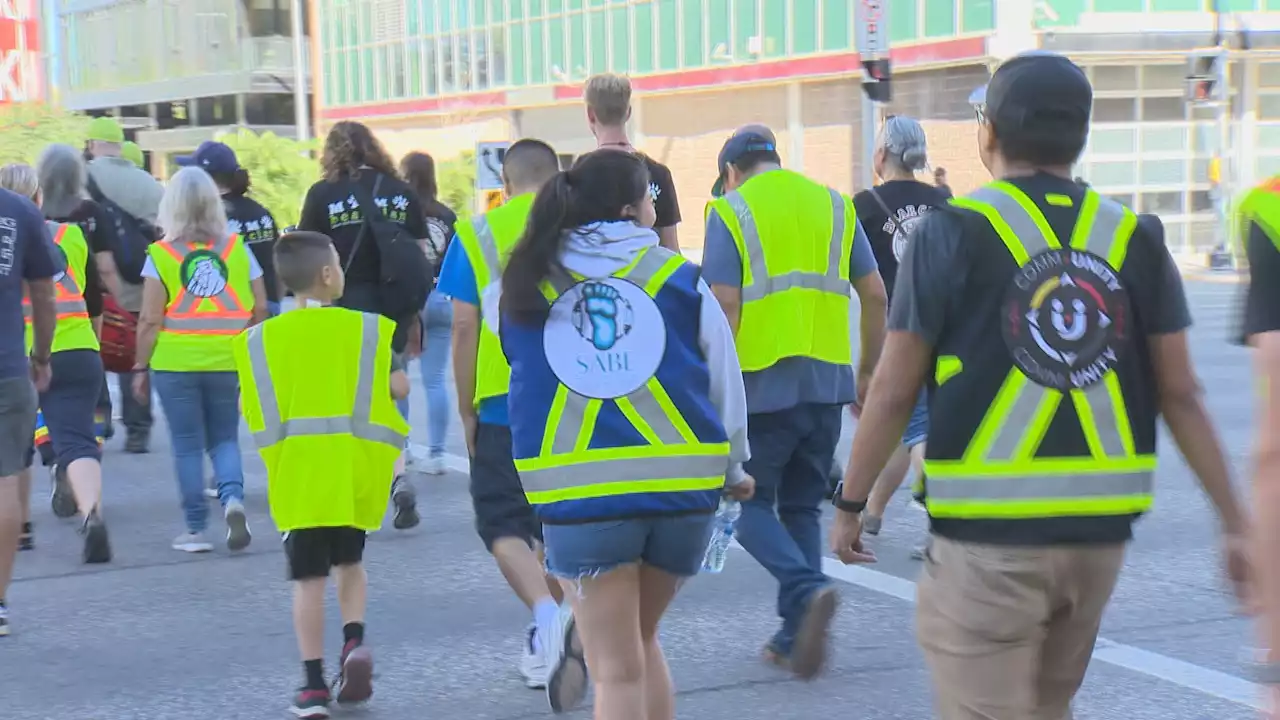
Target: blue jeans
(674,545)
(437,321)
(781,525)
(203,414)
(918,426)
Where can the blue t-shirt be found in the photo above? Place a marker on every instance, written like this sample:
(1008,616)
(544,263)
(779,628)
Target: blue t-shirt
(791,381)
(458,281)
(26,253)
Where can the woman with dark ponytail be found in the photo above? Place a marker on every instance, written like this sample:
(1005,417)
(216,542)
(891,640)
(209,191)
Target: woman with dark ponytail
(628,421)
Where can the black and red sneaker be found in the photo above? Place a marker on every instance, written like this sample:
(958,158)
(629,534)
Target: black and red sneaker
(311,704)
(355,679)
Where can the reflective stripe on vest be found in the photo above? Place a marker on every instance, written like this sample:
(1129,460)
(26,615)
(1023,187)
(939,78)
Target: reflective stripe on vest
(673,460)
(68,296)
(762,283)
(358,424)
(183,316)
(999,475)
(488,246)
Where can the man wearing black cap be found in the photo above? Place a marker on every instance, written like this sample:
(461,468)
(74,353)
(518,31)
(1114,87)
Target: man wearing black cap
(781,254)
(1049,325)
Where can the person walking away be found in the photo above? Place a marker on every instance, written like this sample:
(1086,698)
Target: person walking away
(608,99)
(68,404)
(27,270)
(203,288)
(889,213)
(357,172)
(330,459)
(246,217)
(940,182)
(131,199)
(1260,221)
(781,255)
(504,520)
(624,467)
(419,170)
(1044,395)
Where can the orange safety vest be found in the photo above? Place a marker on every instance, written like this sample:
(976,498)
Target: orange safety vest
(210,301)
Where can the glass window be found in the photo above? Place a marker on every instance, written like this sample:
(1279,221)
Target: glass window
(837,24)
(495,57)
(1164,78)
(804,31)
(745,27)
(1176,5)
(620,39)
(515,9)
(1114,110)
(1164,109)
(538,52)
(774,33)
(939,18)
(346,77)
(1201,201)
(577,44)
(368,76)
(694,52)
(1164,172)
(555,6)
(479,14)
(1114,77)
(1113,141)
(1166,203)
(448,67)
(497,11)
(353,30)
(430,66)
(904,22)
(1269,73)
(557,53)
(414,64)
(718,24)
(448,18)
(1269,106)
(330,78)
(1125,199)
(1103,174)
(517,40)
(1268,165)
(1269,136)
(1200,170)
(598,41)
(1164,139)
(668,35)
(536,8)
(365,28)
(977,16)
(644,38)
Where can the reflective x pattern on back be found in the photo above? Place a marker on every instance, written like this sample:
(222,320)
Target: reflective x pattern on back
(357,424)
(762,283)
(68,293)
(1000,475)
(187,313)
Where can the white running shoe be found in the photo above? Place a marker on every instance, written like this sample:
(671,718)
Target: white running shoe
(238,535)
(434,465)
(565,660)
(191,542)
(533,667)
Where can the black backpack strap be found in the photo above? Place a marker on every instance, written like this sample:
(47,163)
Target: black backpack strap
(888,213)
(368,203)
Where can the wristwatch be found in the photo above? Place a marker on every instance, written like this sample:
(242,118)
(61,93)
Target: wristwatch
(849,506)
(40,359)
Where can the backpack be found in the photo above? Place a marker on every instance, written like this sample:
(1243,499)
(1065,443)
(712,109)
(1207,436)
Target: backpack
(405,274)
(130,237)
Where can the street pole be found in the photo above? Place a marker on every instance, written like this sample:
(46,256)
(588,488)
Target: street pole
(870,115)
(871,20)
(1222,256)
(301,119)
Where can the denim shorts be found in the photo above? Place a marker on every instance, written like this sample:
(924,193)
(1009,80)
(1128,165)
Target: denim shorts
(673,545)
(918,426)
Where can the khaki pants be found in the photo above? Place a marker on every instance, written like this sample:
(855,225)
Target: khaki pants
(1008,631)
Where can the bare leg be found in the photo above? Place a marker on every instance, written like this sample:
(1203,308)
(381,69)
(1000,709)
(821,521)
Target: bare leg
(521,566)
(353,592)
(657,589)
(10,529)
(553,585)
(85,476)
(607,611)
(24,495)
(308,617)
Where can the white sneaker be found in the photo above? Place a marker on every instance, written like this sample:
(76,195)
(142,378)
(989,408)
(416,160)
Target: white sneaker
(238,535)
(191,542)
(533,666)
(434,465)
(566,664)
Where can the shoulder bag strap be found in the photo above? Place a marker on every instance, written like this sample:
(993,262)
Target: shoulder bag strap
(888,213)
(368,203)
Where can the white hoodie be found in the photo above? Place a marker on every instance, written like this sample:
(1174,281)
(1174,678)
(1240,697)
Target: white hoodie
(602,250)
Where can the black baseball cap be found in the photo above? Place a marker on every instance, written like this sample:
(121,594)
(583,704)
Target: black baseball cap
(1037,90)
(745,140)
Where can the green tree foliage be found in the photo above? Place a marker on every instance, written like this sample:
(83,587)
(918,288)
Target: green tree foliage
(457,181)
(27,128)
(280,171)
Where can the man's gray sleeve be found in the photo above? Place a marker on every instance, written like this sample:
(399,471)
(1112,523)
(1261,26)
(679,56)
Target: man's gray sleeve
(721,263)
(862,260)
(930,275)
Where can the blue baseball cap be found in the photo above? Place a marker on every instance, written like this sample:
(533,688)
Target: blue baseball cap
(212,157)
(746,140)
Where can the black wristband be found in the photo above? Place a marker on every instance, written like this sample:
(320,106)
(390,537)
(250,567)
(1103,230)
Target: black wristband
(849,506)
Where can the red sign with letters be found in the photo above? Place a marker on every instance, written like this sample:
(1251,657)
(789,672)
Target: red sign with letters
(21,66)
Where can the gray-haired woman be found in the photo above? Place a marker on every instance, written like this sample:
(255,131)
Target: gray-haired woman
(201,288)
(888,212)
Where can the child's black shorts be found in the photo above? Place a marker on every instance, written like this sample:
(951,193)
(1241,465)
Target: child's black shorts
(312,551)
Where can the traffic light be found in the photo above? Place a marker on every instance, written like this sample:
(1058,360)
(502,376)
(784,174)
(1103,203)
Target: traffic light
(1206,76)
(876,80)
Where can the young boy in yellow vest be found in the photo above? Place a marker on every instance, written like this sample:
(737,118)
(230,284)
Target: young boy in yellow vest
(330,451)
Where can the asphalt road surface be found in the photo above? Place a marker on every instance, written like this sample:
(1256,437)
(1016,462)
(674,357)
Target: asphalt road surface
(159,635)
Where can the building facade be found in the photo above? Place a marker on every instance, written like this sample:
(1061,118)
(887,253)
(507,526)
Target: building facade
(178,72)
(440,75)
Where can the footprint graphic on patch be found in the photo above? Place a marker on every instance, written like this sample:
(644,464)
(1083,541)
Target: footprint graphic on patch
(600,302)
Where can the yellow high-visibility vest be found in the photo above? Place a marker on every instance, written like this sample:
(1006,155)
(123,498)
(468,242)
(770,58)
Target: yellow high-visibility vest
(794,237)
(488,240)
(1000,474)
(74,330)
(1262,206)
(316,394)
(210,302)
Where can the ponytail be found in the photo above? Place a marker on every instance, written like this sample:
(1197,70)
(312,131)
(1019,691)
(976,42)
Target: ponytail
(537,254)
(235,184)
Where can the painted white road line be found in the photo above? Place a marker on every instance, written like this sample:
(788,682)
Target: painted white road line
(1162,667)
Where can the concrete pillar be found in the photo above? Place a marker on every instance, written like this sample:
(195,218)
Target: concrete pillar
(1015,30)
(795,126)
(1244,158)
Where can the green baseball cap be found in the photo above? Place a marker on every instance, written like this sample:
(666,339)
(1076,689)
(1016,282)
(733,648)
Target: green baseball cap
(106,129)
(131,152)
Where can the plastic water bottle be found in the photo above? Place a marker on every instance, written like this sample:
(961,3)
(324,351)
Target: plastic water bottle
(722,534)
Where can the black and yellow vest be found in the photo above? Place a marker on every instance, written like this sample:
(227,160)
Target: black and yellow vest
(1042,408)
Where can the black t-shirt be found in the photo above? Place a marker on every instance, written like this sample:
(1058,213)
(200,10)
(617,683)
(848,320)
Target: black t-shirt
(255,226)
(663,190)
(1262,299)
(889,221)
(93,222)
(333,209)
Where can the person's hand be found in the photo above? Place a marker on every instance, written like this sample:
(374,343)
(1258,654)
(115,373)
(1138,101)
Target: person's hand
(855,409)
(846,539)
(1239,566)
(41,373)
(413,348)
(142,387)
(469,422)
(743,490)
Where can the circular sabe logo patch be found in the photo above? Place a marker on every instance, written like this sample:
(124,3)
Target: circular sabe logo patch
(604,338)
(1065,317)
(203,274)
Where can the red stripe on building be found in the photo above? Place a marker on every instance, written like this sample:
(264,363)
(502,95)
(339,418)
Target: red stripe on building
(841,64)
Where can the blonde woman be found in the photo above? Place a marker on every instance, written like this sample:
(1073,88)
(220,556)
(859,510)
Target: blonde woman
(69,402)
(201,288)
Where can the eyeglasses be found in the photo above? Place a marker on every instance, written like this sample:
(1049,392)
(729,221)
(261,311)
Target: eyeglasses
(981,112)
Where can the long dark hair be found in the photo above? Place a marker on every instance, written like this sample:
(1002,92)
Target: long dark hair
(419,170)
(349,146)
(236,182)
(595,190)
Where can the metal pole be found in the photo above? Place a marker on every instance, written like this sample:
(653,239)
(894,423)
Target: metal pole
(1223,204)
(301,119)
(869,118)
